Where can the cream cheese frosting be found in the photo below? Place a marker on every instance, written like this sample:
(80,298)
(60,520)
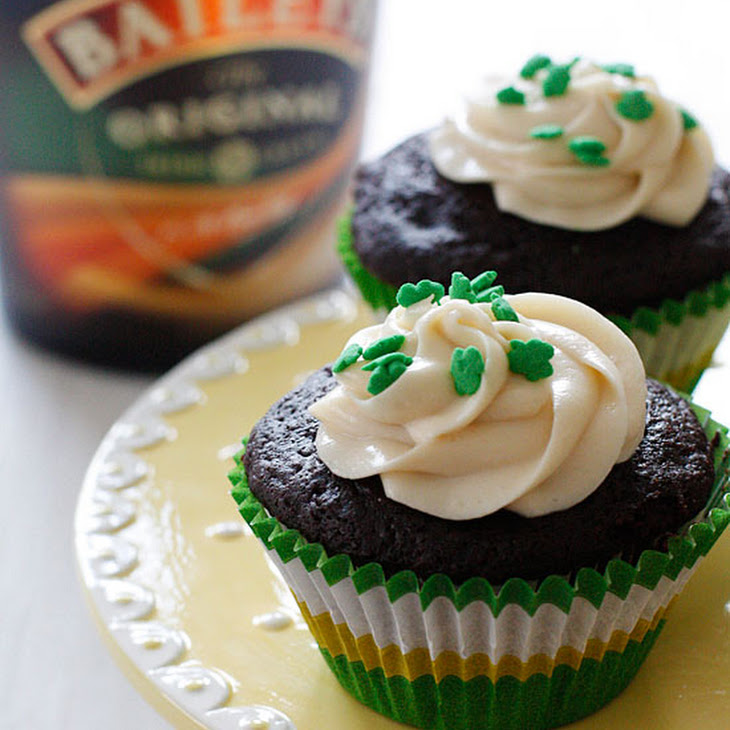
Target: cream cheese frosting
(515,437)
(578,147)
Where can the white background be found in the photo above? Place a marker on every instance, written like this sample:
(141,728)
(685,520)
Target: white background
(54,670)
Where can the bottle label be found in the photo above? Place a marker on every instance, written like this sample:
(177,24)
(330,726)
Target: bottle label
(208,147)
(91,49)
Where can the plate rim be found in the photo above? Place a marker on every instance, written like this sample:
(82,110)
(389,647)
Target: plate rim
(105,561)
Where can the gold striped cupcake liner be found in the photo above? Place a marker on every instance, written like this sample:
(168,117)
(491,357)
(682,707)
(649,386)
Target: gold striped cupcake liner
(474,656)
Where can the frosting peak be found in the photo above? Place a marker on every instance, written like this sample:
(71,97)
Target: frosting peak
(578,146)
(466,407)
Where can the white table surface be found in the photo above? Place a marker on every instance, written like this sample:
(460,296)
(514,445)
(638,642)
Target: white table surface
(54,670)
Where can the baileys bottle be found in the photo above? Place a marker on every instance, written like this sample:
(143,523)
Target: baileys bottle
(169,168)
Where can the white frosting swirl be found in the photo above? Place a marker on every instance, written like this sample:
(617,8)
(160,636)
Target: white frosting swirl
(656,168)
(530,447)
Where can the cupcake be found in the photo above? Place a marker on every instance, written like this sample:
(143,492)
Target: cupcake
(483,508)
(576,179)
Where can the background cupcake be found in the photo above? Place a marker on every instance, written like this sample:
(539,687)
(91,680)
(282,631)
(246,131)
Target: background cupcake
(381,523)
(578,179)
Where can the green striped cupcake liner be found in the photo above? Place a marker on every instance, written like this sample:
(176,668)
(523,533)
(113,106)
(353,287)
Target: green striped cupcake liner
(676,341)
(474,656)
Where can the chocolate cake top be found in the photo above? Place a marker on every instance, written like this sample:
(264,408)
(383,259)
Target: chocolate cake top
(411,223)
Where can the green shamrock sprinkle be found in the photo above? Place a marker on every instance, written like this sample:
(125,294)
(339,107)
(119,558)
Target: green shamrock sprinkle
(348,357)
(546,131)
(534,64)
(634,105)
(531,359)
(510,95)
(502,310)
(385,377)
(589,150)
(383,346)
(622,69)
(387,359)
(483,281)
(557,80)
(467,367)
(461,287)
(490,294)
(688,121)
(386,370)
(594,161)
(410,294)
(587,146)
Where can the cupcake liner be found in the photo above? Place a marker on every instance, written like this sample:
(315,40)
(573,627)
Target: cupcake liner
(379,295)
(472,656)
(676,341)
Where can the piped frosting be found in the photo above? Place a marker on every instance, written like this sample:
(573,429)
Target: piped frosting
(475,401)
(578,146)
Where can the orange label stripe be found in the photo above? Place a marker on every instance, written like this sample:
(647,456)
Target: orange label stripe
(64,224)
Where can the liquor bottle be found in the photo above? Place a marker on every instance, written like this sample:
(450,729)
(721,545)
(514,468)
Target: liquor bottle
(169,168)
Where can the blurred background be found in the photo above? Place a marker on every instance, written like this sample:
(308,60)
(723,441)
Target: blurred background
(54,670)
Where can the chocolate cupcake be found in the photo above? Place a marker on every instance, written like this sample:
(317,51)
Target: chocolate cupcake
(641,502)
(575,179)
(482,509)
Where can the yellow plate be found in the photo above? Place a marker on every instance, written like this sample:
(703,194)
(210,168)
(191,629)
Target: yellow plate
(200,622)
